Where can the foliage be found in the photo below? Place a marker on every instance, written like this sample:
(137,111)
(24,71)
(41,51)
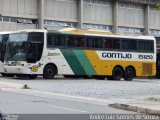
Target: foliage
(158,5)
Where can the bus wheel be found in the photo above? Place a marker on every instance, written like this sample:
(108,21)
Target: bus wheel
(32,76)
(129,74)
(49,72)
(117,73)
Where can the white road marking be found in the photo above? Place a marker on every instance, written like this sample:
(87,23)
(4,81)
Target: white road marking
(67,108)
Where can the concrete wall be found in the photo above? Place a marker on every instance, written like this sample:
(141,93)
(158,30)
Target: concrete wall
(154,18)
(61,10)
(98,13)
(130,16)
(19,8)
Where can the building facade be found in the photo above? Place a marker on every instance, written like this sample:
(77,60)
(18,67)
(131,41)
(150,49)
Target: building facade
(118,16)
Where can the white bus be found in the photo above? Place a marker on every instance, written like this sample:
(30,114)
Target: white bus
(79,53)
(3,39)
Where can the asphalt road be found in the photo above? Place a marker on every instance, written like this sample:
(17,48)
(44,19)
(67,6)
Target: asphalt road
(19,103)
(93,88)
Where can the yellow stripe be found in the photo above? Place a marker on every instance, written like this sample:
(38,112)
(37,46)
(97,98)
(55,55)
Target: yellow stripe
(95,61)
(105,67)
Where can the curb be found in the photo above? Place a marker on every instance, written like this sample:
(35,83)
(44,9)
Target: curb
(135,109)
(11,85)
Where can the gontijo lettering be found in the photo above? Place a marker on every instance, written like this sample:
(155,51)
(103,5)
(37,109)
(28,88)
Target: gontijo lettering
(117,55)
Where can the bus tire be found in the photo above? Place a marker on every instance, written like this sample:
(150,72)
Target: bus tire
(129,74)
(49,72)
(117,73)
(32,76)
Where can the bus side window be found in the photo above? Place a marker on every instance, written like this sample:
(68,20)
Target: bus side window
(80,42)
(116,44)
(60,40)
(71,42)
(97,43)
(125,44)
(50,40)
(55,40)
(141,45)
(108,43)
(149,46)
(133,45)
(88,42)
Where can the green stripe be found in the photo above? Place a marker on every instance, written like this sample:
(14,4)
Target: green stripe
(73,62)
(83,60)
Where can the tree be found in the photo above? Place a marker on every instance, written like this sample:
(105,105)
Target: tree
(158,5)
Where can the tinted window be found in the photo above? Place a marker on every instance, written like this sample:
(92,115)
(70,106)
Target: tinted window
(55,40)
(116,44)
(71,41)
(145,46)
(141,45)
(92,42)
(80,41)
(133,44)
(36,36)
(128,44)
(108,43)
(125,44)
(149,45)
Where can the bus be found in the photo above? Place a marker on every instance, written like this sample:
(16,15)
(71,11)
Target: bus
(3,40)
(79,53)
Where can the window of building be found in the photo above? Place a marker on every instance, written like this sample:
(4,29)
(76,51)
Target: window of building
(59,23)
(130,30)
(97,27)
(155,32)
(13,20)
(130,6)
(98,2)
(6,19)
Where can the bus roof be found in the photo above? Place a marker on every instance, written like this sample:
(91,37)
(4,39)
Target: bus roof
(5,32)
(102,33)
(87,32)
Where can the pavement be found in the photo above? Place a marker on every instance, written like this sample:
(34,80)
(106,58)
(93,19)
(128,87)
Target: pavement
(149,104)
(145,104)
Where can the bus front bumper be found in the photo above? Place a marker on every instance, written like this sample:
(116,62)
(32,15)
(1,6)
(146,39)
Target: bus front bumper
(15,69)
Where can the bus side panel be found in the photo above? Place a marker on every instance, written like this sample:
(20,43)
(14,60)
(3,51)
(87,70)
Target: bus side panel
(73,61)
(83,60)
(55,56)
(95,61)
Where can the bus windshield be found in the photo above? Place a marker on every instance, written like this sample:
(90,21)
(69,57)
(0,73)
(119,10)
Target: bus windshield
(16,50)
(16,47)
